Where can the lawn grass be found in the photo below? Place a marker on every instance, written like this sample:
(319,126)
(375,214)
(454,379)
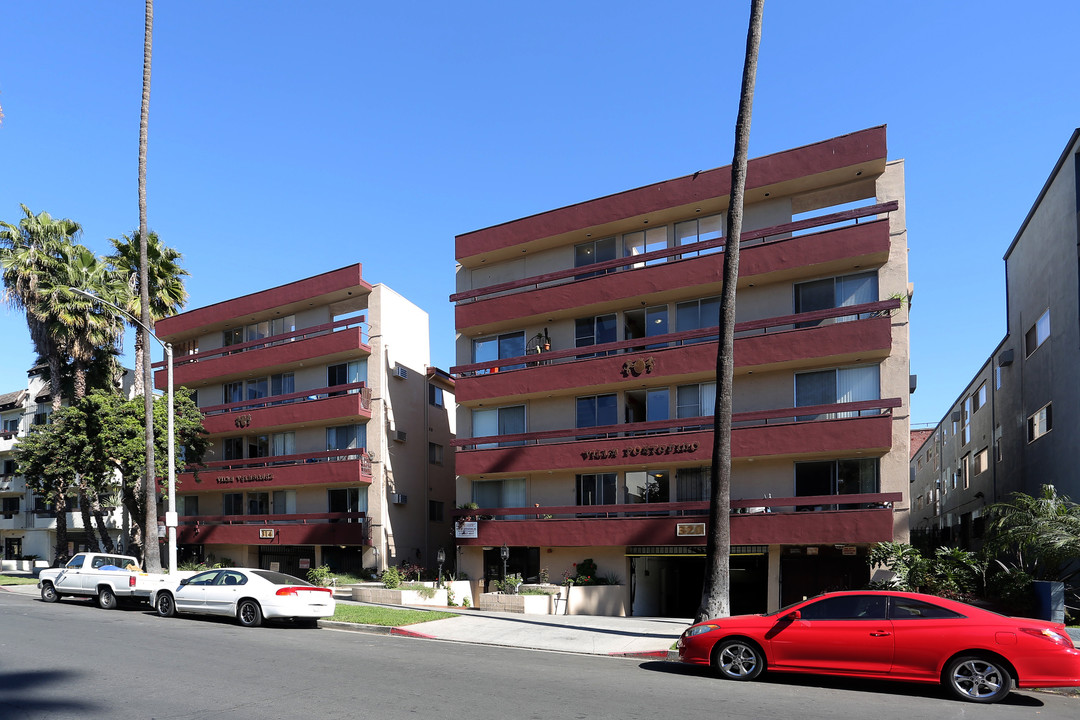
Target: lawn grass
(388,617)
(17,580)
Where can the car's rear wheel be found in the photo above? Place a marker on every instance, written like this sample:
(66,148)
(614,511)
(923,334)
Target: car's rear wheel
(738,659)
(49,594)
(249,613)
(106,599)
(165,605)
(978,679)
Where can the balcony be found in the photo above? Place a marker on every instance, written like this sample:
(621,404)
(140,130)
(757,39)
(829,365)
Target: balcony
(13,520)
(764,253)
(296,529)
(863,518)
(837,428)
(278,412)
(332,467)
(325,343)
(759,344)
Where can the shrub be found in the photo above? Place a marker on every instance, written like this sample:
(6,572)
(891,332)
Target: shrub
(320,576)
(391,578)
(425,591)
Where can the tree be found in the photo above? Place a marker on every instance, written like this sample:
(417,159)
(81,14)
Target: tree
(1040,535)
(30,254)
(167,294)
(715,601)
(152,560)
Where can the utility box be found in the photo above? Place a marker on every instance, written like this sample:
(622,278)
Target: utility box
(1050,599)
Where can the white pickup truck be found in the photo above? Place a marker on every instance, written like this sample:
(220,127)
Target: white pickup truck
(107,577)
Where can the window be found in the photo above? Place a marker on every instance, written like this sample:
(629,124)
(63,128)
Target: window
(647,406)
(499,347)
(346,374)
(836,477)
(256,389)
(982,461)
(979,398)
(258,446)
(346,437)
(435,396)
(435,510)
(835,292)
(965,421)
(695,400)
(10,507)
(283,502)
(700,230)
(232,336)
(846,607)
(11,425)
(283,444)
(595,331)
(232,392)
(41,417)
(652,486)
(282,384)
(692,484)
(232,504)
(499,421)
(1038,333)
(697,315)
(999,373)
(347,500)
(997,443)
(232,448)
(841,385)
(592,252)
(500,494)
(435,453)
(965,470)
(645,241)
(282,325)
(596,489)
(905,609)
(258,503)
(189,505)
(1040,423)
(597,410)
(9,467)
(646,323)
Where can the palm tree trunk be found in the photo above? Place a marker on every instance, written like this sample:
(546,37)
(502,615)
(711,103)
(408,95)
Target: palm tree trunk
(151,554)
(88,524)
(60,555)
(140,341)
(99,523)
(715,600)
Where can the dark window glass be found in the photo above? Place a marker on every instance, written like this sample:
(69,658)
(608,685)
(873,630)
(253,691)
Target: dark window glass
(906,609)
(846,607)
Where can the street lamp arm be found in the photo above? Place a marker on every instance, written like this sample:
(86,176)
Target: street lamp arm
(91,296)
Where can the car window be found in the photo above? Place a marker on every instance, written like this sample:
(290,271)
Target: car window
(76,562)
(846,607)
(279,578)
(204,578)
(230,577)
(907,609)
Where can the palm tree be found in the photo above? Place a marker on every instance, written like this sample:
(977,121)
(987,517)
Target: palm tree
(167,294)
(1041,533)
(31,253)
(714,595)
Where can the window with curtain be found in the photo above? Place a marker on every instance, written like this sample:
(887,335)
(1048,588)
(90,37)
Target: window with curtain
(838,385)
(835,292)
(499,421)
(696,315)
(695,400)
(596,489)
(508,493)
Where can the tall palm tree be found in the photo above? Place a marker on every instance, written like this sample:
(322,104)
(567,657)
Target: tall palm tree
(31,252)
(151,556)
(167,294)
(715,601)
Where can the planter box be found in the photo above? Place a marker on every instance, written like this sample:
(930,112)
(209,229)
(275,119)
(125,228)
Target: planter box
(384,596)
(526,604)
(610,600)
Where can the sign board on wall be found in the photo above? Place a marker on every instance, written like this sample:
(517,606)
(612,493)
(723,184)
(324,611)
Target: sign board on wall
(465,529)
(266,533)
(690,530)
(305,563)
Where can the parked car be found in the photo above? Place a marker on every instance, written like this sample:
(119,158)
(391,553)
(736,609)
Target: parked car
(975,653)
(248,594)
(107,577)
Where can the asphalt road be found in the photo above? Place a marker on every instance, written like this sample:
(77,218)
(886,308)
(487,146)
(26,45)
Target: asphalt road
(72,660)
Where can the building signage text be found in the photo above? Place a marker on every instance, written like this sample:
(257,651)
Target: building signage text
(641,451)
(264,477)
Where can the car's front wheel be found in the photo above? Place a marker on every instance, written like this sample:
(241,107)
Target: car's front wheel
(164,605)
(49,594)
(738,659)
(106,599)
(978,679)
(249,613)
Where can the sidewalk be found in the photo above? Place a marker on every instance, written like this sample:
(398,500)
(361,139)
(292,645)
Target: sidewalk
(616,636)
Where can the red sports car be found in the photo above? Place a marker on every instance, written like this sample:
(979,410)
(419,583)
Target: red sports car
(975,653)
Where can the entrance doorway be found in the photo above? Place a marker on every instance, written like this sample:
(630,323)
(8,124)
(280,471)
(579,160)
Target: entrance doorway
(670,585)
(12,548)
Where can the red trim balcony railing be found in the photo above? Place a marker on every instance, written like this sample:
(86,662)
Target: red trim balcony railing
(808,413)
(350,454)
(857,518)
(752,237)
(296,397)
(272,340)
(352,528)
(783,323)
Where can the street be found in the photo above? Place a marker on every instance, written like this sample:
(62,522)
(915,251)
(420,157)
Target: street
(72,660)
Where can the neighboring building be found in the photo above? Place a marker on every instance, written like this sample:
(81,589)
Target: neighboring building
(27,521)
(329,430)
(587,354)
(1014,427)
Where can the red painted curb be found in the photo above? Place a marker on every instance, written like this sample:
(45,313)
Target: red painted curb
(401,632)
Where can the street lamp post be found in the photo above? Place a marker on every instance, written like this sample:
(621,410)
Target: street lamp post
(170,516)
(440,557)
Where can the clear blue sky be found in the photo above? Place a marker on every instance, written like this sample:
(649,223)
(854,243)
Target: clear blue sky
(290,138)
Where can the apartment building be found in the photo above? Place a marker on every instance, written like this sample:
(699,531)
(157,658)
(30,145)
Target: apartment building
(586,346)
(330,431)
(1002,434)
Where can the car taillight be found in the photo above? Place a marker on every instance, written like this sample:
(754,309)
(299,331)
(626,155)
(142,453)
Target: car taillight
(131,581)
(1051,635)
(293,590)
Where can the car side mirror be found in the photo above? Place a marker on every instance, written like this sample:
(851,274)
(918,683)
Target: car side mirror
(793,615)
(185,581)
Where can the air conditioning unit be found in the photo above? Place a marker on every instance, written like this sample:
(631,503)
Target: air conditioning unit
(399,498)
(399,435)
(401,372)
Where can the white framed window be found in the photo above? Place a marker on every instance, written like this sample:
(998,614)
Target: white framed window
(981,462)
(645,241)
(695,400)
(839,385)
(346,437)
(499,347)
(1040,423)
(696,315)
(1038,333)
(835,292)
(592,252)
(689,232)
(499,421)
